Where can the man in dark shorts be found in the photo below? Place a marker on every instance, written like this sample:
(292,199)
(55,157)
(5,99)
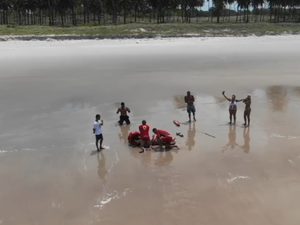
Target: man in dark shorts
(145,137)
(97,130)
(123,117)
(190,107)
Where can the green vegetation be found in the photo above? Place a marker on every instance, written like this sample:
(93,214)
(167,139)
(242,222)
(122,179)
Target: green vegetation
(77,12)
(148,17)
(168,29)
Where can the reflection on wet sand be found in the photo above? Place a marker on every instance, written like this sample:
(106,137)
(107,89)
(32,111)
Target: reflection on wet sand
(219,99)
(164,158)
(124,133)
(59,183)
(179,101)
(101,167)
(154,157)
(278,97)
(231,137)
(190,141)
(246,136)
(146,158)
(106,194)
(296,92)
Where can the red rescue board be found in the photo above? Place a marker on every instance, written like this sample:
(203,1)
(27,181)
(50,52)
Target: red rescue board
(177,123)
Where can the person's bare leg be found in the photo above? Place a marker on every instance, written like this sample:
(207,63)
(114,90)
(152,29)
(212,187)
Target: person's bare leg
(234,117)
(142,149)
(249,117)
(230,117)
(96,143)
(160,144)
(194,116)
(142,144)
(189,116)
(101,141)
(148,147)
(245,118)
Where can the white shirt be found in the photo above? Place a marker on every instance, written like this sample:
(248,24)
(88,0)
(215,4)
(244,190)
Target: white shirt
(97,127)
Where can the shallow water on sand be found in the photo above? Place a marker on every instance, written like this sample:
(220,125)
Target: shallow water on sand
(50,93)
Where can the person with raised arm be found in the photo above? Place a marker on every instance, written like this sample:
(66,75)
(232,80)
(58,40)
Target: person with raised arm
(97,130)
(232,107)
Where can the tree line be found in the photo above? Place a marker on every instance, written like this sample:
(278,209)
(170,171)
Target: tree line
(76,12)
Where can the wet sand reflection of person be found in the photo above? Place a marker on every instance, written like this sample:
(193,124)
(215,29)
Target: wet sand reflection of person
(146,159)
(246,136)
(124,133)
(278,96)
(190,141)
(164,159)
(101,167)
(231,138)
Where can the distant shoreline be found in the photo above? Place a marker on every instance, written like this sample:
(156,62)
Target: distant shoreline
(112,37)
(145,31)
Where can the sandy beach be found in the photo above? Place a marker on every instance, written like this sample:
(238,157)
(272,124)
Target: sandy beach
(51,91)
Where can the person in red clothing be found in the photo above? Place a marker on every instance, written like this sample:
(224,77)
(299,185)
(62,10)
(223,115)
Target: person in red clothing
(145,137)
(134,138)
(163,137)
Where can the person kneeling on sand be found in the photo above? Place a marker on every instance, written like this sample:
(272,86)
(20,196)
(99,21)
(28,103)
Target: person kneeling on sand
(134,138)
(145,137)
(163,138)
(123,117)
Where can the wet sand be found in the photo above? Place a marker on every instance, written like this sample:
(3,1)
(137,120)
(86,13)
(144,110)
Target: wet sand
(51,91)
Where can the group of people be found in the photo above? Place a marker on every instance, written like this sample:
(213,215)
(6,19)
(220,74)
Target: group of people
(233,108)
(136,138)
(142,139)
(161,137)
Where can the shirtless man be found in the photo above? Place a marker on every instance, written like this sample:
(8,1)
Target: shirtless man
(247,110)
(123,117)
(190,107)
(163,137)
(232,106)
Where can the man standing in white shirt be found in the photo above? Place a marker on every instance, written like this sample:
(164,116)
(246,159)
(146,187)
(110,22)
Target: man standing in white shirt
(97,130)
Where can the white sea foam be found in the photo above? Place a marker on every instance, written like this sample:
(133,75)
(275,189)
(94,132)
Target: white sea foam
(237,177)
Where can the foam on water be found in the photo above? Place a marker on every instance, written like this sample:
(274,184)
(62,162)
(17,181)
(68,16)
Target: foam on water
(6,151)
(103,200)
(57,205)
(282,136)
(2,151)
(237,177)
(233,178)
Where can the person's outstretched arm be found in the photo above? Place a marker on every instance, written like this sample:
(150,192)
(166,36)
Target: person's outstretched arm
(228,99)
(241,100)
